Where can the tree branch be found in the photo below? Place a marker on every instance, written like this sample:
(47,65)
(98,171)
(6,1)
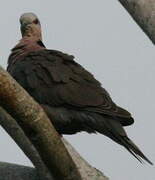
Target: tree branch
(143,12)
(13,129)
(87,172)
(16,172)
(35,124)
(17,134)
(37,127)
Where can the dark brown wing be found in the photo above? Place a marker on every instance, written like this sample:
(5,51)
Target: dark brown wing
(55,79)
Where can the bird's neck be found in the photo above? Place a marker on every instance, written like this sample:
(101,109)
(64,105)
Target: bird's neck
(30,36)
(26,45)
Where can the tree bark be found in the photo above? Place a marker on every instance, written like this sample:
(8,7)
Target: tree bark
(18,135)
(63,165)
(87,172)
(143,12)
(12,171)
(37,127)
(16,172)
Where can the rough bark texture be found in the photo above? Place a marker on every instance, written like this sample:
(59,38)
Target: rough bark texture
(143,12)
(12,171)
(17,172)
(87,172)
(13,129)
(42,135)
(37,127)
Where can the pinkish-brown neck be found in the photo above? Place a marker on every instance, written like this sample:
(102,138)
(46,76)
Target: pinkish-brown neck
(24,47)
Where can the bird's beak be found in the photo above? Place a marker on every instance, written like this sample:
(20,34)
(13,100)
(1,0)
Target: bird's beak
(24,25)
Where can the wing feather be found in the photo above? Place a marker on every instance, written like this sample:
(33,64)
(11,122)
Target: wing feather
(54,78)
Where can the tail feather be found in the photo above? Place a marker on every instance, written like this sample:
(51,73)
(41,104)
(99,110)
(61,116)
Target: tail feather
(116,132)
(113,129)
(134,150)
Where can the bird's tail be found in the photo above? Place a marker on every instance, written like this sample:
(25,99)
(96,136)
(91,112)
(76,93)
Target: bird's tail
(134,150)
(113,129)
(119,135)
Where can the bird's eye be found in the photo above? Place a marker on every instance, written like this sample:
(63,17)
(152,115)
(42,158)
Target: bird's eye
(36,21)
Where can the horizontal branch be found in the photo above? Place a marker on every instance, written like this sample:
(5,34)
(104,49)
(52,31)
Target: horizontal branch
(17,172)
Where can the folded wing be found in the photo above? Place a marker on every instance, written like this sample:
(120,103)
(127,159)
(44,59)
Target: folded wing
(55,79)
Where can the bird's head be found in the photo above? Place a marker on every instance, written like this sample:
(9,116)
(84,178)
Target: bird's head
(30,26)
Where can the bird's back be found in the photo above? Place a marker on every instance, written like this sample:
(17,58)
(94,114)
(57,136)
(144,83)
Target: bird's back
(55,79)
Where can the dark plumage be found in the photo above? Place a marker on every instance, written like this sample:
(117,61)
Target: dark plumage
(72,98)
